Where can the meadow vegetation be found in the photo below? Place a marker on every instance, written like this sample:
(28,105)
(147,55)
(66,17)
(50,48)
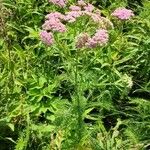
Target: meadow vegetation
(74,75)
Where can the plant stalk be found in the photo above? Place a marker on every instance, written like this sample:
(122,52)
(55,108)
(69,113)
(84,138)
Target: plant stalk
(79,109)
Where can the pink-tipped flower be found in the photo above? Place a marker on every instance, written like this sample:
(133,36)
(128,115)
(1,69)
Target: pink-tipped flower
(89,7)
(123,13)
(46,37)
(55,15)
(100,38)
(75,8)
(60,3)
(54,25)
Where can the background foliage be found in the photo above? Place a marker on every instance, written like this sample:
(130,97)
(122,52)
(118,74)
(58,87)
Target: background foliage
(41,88)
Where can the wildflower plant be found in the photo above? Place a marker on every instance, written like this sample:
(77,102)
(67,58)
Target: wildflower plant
(81,36)
(72,74)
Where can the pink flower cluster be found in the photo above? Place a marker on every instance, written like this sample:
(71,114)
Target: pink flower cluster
(76,11)
(75,8)
(53,23)
(82,9)
(72,15)
(95,17)
(82,40)
(89,8)
(60,3)
(55,15)
(123,13)
(100,38)
(46,37)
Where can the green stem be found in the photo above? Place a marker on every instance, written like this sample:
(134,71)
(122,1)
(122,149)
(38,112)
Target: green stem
(79,110)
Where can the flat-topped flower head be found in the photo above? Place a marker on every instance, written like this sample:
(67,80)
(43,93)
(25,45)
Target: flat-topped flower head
(123,13)
(60,3)
(46,37)
(72,15)
(75,8)
(55,15)
(100,38)
(54,25)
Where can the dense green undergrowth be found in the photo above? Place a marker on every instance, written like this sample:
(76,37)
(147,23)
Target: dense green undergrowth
(63,98)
